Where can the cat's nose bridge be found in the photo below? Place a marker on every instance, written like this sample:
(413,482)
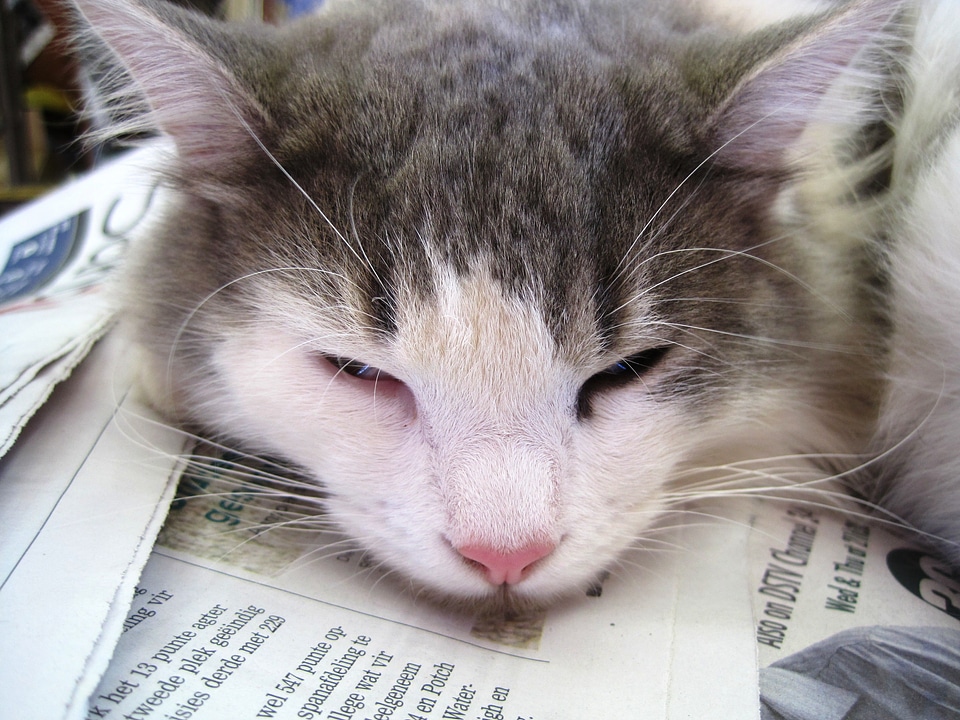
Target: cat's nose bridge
(501,493)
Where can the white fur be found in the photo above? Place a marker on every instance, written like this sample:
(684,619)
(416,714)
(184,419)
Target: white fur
(921,415)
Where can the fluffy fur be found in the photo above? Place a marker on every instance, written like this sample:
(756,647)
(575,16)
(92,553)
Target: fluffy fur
(918,474)
(510,280)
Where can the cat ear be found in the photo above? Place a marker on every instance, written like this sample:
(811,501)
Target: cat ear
(770,107)
(189,93)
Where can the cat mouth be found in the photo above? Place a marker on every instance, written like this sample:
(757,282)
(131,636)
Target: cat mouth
(503,602)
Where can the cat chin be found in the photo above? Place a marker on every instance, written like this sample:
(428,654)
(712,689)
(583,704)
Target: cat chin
(504,602)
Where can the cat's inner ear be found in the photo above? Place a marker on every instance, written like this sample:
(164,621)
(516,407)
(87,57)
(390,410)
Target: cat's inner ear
(170,54)
(768,109)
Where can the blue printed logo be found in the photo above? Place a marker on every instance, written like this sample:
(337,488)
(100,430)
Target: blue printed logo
(34,262)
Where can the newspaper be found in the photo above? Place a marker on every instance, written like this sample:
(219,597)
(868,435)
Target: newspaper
(242,612)
(83,494)
(853,621)
(55,256)
(85,487)
(247,607)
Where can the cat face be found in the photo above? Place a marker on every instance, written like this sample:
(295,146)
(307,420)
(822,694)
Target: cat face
(472,442)
(504,286)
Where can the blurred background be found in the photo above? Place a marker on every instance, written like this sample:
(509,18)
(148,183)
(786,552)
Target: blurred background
(40,90)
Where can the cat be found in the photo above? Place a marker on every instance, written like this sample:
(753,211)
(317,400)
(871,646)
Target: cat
(512,281)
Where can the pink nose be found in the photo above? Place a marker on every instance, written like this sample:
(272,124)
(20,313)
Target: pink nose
(506,567)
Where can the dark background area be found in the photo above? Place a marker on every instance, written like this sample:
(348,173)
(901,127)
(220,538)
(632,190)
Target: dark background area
(40,95)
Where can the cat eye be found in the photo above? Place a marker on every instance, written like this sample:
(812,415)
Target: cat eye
(358,369)
(635,365)
(622,372)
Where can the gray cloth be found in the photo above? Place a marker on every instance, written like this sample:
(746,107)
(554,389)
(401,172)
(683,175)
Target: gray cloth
(869,673)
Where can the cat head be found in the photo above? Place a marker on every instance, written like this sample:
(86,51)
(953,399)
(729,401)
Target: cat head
(499,276)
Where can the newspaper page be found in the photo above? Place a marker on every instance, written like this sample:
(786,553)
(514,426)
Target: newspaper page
(245,610)
(854,620)
(55,257)
(85,487)
(83,494)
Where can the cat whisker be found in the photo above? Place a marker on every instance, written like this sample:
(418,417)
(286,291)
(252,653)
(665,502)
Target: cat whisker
(766,340)
(361,256)
(736,302)
(672,341)
(385,573)
(766,462)
(792,490)
(321,554)
(623,264)
(726,254)
(704,163)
